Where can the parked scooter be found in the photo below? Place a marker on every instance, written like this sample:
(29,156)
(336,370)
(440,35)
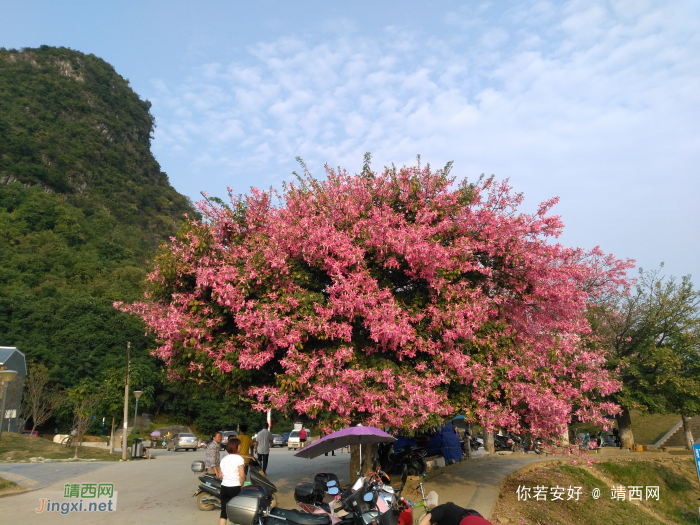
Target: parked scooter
(536,446)
(518,445)
(358,505)
(502,442)
(393,462)
(209,490)
(322,495)
(474,442)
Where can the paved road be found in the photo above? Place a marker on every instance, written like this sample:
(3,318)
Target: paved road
(476,484)
(40,475)
(159,491)
(155,491)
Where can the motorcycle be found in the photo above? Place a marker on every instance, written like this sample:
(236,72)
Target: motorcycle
(474,442)
(209,490)
(358,505)
(536,445)
(518,444)
(321,496)
(411,456)
(502,442)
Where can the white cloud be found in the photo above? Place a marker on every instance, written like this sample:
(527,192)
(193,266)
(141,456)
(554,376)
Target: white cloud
(598,102)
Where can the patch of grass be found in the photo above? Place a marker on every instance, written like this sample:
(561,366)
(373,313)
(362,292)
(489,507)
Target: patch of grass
(21,448)
(676,479)
(6,484)
(647,428)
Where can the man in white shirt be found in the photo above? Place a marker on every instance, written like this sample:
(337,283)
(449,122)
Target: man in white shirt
(262,446)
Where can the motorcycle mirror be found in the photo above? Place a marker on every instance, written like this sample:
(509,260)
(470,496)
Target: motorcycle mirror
(331,483)
(333,491)
(368,497)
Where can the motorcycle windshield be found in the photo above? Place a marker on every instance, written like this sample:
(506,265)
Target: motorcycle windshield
(258,478)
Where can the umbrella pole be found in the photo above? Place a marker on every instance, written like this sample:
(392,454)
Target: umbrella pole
(359,469)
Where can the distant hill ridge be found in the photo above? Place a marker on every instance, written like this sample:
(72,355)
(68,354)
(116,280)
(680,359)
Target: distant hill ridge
(83,205)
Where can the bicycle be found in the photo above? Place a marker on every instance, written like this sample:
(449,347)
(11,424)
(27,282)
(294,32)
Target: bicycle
(420,509)
(70,439)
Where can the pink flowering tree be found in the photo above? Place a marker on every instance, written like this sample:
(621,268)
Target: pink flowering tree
(394,299)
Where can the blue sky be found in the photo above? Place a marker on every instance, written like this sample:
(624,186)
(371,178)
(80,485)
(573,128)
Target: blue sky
(597,102)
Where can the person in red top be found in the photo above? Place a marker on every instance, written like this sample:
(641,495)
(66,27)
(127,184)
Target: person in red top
(451,514)
(302,437)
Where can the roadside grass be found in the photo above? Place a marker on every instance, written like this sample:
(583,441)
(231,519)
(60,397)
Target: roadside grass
(675,478)
(7,485)
(647,428)
(20,448)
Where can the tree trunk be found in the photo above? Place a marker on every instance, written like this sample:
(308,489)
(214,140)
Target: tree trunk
(624,425)
(367,452)
(564,439)
(488,442)
(688,434)
(75,456)
(111,438)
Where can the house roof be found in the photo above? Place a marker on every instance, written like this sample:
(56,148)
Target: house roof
(10,353)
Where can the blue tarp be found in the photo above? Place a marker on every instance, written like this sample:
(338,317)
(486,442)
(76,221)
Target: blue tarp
(445,443)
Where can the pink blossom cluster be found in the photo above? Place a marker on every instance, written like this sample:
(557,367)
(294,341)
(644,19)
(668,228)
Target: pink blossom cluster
(391,298)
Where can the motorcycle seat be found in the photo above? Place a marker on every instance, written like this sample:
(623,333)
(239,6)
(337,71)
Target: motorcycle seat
(301,518)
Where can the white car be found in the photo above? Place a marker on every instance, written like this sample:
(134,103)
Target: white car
(293,441)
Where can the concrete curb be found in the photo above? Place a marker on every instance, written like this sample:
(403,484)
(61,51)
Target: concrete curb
(430,475)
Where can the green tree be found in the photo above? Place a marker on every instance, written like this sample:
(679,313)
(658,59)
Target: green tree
(653,335)
(142,376)
(40,399)
(84,401)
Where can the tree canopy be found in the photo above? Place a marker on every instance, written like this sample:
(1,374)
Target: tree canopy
(653,337)
(391,298)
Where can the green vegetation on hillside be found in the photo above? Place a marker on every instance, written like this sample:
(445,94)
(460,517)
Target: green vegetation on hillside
(83,205)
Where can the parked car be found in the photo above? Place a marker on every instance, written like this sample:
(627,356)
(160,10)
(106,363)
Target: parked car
(225,434)
(30,433)
(277,440)
(293,441)
(183,440)
(286,437)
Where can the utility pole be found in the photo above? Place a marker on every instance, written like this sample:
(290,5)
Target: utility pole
(126,402)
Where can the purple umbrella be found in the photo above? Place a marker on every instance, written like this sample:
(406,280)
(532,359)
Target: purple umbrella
(343,438)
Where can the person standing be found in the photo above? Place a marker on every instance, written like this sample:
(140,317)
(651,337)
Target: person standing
(302,437)
(262,446)
(212,458)
(246,443)
(232,468)
(323,434)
